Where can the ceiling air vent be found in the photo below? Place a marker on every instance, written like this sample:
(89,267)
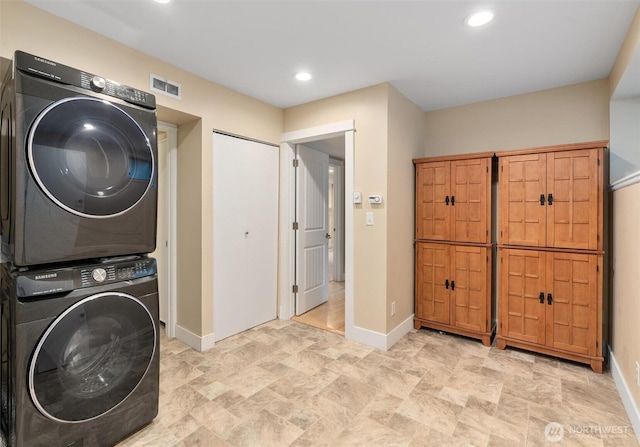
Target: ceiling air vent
(165,86)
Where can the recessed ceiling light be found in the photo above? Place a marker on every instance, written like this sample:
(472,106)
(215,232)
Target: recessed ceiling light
(479,18)
(303,76)
(163,1)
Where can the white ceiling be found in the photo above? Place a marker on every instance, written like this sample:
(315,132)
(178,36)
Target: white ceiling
(421,47)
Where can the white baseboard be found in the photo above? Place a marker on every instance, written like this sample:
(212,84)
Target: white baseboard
(198,343)
(625,395)
(380,341)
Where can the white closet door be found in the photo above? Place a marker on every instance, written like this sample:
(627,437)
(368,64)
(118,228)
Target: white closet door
(245,234)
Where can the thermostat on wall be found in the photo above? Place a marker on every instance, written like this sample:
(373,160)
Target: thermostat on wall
(375,199)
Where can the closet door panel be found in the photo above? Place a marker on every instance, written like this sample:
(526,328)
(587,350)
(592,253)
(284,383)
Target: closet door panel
(572,199)
(432,198)
(245,234)
(522,216)
(572,310)
(469,295)
(432,296)
(522,280)
(470,210)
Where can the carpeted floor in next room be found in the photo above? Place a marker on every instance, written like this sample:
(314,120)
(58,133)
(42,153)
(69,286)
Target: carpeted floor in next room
(284,383)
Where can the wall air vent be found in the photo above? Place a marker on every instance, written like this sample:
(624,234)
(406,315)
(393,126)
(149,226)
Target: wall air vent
(165,86)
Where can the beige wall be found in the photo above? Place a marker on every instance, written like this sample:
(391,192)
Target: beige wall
(368,107)
(204,106)
(625,300)
(570,114)
(405,142)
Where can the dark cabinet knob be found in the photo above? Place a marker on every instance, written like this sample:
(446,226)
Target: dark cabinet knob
(541,199)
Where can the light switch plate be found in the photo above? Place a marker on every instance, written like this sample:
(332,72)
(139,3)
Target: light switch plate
(369,218)
(357,197)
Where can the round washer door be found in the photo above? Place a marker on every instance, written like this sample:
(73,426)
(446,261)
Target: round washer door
(92,357)
(90,157)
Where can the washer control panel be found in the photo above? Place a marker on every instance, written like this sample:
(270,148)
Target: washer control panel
(120,271)
(66,279)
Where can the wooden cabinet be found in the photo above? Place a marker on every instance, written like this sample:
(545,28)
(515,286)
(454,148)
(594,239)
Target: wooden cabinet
(552,199)
(551,251)
(453,200)
(453,289)
(552,302)
(453,245)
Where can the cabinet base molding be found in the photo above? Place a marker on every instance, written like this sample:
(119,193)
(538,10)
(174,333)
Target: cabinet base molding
(596,363)
(485,337)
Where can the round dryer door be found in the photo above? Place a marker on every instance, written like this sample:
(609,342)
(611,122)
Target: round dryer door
(90,157)
(92,357)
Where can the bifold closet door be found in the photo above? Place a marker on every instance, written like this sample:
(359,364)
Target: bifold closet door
(245,234)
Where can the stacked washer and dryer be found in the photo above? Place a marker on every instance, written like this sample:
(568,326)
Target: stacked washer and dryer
(78,292)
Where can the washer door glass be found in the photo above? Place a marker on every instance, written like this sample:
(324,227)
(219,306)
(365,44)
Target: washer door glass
(92,357)
(90,157)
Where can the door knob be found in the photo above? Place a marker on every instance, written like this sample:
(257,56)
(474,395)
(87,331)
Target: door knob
(328,236)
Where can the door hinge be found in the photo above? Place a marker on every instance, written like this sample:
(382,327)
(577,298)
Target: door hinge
(598,237)
(487,168)
(295,225)
(597,268)
(501,325)
(296,162)
(598,162)
(501,168)
(294,289)
(596,344)
(487,259)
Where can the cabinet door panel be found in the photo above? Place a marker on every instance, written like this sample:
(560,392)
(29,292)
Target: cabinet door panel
(522,218)
(522,279)
(432,211)
(572,215)
(469,297)
(432,298)
(572,315)
(470,183)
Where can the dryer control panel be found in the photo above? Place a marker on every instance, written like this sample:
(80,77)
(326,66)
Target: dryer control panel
(63,74)
(67,279)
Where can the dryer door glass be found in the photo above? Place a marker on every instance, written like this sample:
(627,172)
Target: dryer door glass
(90,157)
(92,357)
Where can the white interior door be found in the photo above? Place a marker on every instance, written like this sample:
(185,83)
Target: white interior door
(245,234)
(162,233)
(313,229)
(166,227)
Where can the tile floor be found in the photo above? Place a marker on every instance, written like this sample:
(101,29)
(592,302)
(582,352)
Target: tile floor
(284,383)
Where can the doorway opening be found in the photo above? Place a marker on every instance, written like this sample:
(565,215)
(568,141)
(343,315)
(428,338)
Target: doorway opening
(166,234)
(342,135)
(320,236)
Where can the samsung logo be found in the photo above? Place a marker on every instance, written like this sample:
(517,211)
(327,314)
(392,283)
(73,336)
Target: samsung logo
(46,276)
(44,61)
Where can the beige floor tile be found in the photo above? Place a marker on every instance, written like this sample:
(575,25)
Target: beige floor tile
(265,429)
(287,384)
(363,431)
